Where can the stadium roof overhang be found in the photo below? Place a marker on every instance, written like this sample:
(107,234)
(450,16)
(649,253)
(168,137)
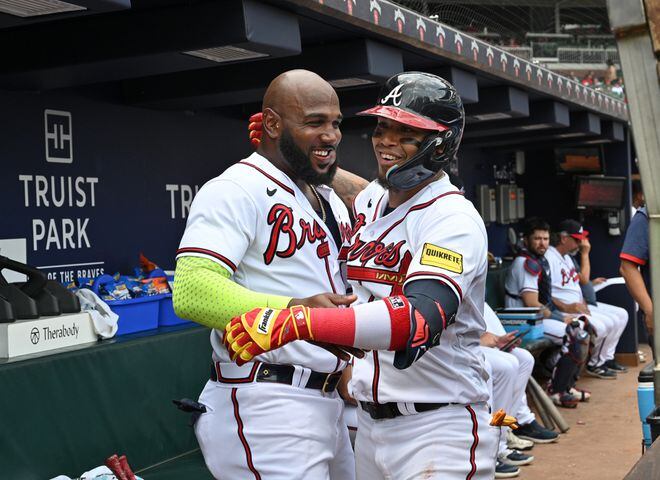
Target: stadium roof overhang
(176,54)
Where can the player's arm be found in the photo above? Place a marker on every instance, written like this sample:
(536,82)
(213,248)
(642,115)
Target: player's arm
(205,294)
(530,298)
(585,263)
(409,324)
(636,286)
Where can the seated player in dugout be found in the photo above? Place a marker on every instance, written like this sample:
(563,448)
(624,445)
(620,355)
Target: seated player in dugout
(417,260)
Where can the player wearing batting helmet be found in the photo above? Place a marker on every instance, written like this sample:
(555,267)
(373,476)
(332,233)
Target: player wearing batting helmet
(417,261)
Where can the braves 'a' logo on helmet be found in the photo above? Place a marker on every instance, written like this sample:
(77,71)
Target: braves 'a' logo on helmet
(394,95)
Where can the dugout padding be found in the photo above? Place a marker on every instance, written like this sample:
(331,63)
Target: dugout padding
(65,413)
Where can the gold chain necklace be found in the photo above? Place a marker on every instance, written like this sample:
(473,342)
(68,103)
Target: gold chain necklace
(318,198)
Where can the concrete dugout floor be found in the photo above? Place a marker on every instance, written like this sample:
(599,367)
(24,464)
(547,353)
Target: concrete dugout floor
(604,440)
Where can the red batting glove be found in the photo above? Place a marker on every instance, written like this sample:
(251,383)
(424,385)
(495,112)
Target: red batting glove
(265,329)
(255,129)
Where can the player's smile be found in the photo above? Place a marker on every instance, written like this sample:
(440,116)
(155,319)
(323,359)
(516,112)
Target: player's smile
(323,157)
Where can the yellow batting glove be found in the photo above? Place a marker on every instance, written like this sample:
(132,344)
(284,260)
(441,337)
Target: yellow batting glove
(265,329)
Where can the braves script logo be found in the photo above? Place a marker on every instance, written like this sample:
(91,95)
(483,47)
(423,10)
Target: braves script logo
(567,277)
(282,219)
(395,95)
(383,255)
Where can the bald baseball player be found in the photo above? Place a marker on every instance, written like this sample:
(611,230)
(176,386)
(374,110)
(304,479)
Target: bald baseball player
(265,230)
(417,261)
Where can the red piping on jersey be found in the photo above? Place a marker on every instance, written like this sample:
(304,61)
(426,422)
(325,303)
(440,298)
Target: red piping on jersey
(416,207)
(377,208)
(288,189)
(632,258)
(327,271)
(442,276)
(210,253)
(343,253)
(374,381)
(475,442)
(241,436)
(248,379)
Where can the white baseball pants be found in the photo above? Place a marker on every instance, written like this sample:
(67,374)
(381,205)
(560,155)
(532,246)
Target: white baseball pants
(270,431)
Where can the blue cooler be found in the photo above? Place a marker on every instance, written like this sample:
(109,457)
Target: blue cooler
(645,399)
(528,320)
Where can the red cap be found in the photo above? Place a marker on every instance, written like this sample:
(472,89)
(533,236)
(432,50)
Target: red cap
(403,116)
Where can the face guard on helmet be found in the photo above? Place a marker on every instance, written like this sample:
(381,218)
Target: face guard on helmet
(428,102)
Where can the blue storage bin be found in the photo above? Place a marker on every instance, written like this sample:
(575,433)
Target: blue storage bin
(166,315)
(135,314)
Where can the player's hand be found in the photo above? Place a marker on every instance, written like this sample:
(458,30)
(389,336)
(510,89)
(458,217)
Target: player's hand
(265,329)
(504,340)
(648,318)
(324,300)
(342,386)
(488,340)
(585,246)
(599,280)
(255,128)
(340,351)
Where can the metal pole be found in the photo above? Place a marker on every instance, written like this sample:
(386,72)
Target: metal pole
(629,23)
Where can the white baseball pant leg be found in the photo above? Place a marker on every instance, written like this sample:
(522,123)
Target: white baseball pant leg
(619,317)
(526,365)
(455,442)
(270,431)
(504,372)
(605,339)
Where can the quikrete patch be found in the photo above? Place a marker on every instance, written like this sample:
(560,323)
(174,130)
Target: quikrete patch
(442,258)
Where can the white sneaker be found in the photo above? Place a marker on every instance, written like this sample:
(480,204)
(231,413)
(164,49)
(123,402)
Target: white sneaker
(515,443)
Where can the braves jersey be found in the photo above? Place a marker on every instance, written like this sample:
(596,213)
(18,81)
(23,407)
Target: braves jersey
(255,222)
(435,235)
(565,278)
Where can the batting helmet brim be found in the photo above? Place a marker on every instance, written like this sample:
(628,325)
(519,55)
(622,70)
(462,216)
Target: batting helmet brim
(403,116)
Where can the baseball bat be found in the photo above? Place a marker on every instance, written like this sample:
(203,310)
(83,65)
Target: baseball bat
(549,406)
(545,418)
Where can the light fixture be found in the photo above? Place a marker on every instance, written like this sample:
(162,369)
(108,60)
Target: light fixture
(350,82)
(227,53)
(35,8)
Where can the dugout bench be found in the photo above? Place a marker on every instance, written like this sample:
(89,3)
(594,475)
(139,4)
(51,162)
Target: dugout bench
(66,413)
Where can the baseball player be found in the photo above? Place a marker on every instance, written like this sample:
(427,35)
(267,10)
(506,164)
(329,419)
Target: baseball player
(263,230)
(607,320)
(417,261)
(528,284)
(635,259)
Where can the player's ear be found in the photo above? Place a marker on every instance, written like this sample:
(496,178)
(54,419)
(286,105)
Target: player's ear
(272,123)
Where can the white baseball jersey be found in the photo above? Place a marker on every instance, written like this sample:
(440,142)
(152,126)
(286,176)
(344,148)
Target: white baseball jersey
(254,221)
(565,279)
(518,281)
(435,235)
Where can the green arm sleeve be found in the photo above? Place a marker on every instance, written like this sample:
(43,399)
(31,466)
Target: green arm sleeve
(204,293)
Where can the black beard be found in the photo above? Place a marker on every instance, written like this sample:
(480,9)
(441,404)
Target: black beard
(301,164)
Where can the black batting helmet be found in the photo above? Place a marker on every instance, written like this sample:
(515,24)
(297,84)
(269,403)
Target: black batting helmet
(428,102)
